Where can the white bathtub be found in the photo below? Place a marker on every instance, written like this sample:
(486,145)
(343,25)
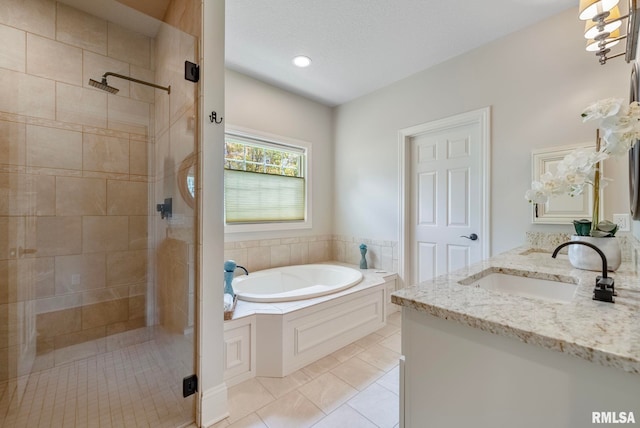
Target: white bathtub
(295,282)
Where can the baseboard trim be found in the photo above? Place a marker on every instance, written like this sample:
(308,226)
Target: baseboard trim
(213,405)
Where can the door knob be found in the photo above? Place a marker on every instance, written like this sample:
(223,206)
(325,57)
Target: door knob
(472,237)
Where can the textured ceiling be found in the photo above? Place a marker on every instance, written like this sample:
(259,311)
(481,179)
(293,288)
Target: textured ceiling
(358,46)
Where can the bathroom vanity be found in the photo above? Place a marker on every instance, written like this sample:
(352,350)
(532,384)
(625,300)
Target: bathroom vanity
(517,351)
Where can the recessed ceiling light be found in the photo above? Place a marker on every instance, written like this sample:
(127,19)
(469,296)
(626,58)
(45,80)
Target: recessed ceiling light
(302,61)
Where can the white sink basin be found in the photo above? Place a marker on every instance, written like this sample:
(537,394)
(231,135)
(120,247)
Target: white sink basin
(523,286)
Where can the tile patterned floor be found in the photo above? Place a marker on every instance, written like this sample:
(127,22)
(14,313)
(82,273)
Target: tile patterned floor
(138,385)
(355,387)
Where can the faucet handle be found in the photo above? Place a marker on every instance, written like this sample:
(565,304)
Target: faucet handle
(604,290)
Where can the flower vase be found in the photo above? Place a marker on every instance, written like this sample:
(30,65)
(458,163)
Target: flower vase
(583,257)
(363,260)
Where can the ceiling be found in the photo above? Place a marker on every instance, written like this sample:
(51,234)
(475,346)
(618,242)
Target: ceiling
(358,46)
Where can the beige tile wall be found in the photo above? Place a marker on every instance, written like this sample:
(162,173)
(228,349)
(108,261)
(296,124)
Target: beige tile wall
(264,254)
(74,181)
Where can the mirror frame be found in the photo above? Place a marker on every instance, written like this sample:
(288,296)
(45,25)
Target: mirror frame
(183,172)
(634,152)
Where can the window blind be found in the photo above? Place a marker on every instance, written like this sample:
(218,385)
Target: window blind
(255,197)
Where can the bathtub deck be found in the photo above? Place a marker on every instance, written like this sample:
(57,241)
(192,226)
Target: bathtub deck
(295,334)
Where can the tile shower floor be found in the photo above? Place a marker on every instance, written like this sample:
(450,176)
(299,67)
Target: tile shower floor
(355,387)
(125,387)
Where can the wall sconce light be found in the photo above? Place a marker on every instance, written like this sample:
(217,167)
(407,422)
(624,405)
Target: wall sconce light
(602,28)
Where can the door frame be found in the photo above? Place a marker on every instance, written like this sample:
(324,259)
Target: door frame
(481,117)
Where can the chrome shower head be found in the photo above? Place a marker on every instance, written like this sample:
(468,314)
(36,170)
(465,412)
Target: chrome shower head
(103,85)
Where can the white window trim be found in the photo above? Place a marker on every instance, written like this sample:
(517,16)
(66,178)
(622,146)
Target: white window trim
(276,139)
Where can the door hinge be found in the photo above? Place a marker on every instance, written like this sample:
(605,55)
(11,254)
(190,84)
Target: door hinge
(191,71)
(189,385)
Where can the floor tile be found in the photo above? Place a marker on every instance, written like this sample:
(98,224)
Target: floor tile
(321,366)
(388,330)
(247,397)
(328,392)
(293,410)
(251,421)
(395,318)
(349,351)
(392,342)
(279,386)
(369,340)
(377,404)
(391,380)
(345,416)
(379,356)
(357,373)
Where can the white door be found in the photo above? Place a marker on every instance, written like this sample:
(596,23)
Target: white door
(447,210)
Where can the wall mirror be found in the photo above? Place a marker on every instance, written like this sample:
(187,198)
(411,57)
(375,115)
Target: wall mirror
(187,179)
(562,209)
(634,153)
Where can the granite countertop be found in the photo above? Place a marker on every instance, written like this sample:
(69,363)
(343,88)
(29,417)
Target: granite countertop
(604,333)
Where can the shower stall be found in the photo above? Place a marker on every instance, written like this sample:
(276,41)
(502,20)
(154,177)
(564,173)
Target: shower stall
(96,288)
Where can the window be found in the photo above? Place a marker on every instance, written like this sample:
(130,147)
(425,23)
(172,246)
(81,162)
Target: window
(265,183)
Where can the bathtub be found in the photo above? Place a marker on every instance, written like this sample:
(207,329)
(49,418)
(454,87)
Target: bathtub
(295,282)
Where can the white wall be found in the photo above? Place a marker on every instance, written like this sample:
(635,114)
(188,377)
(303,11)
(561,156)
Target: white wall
(537,82)
(253,104)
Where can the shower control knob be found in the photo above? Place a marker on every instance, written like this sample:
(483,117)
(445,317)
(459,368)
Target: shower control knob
(472,237)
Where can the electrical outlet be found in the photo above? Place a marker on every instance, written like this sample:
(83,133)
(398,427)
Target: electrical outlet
(623,222)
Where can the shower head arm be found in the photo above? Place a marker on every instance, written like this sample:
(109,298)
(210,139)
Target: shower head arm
(142,82)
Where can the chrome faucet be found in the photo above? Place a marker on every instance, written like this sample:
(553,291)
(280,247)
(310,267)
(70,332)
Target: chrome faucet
(604,289)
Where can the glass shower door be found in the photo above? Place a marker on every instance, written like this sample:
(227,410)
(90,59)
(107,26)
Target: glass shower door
(97,291)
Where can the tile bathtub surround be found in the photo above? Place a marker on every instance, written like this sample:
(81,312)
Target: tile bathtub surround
(269,253)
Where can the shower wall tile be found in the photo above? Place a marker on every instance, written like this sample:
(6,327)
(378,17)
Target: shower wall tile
(54,60)
(15,233)
(12,48)
(13,138)
(57,236)
(128,46)
(52,324)
(95,65)
(80,105)
(27,95)
(80,196)
(104,295)
(105,233)
(58,303)
(143,92)
(53,148)
(81,29)
(128,115)
(44,277)
(105,154)
(127,198)
(35,16)
(79,273)
(139,157)
(105,313)
(126,267)
(25,194)
(138,232)
(137,307)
